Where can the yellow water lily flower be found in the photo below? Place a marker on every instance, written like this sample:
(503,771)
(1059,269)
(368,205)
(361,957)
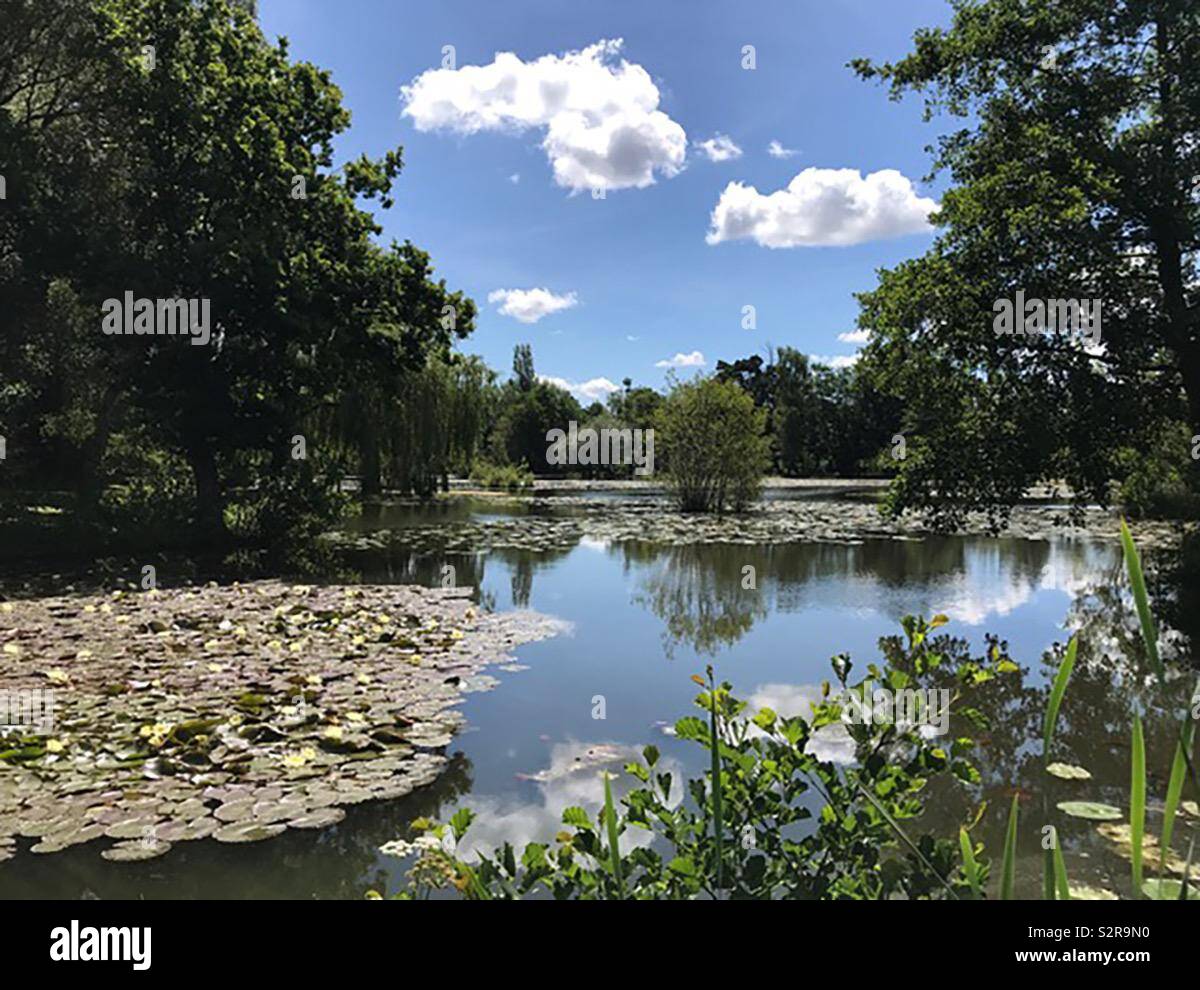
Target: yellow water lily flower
(12,649)
(58,676)
(55,745)
(355,717)
(333,732)
(313,679)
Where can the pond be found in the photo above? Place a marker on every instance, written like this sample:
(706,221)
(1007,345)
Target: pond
(639,618)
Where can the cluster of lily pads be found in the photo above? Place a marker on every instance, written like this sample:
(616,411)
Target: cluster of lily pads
(1110,824)
(233,712)
(566,519)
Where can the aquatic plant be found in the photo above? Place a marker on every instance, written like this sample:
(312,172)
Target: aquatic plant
(772,819)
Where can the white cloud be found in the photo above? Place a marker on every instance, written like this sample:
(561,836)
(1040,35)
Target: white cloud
(693,360)
(603,128)
(836,361)
(515,178)
(777,150)
(530,305)
(822,207)
(594,389)
(855,336)
(719,148)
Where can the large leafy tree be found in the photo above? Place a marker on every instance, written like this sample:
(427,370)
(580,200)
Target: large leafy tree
(166,148)
(1074,176)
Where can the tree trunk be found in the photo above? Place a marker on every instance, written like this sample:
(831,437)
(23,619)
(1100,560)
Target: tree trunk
(88,487)
(210,504)
(369,469)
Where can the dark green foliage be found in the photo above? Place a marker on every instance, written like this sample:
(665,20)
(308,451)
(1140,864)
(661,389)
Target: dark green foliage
(1074,168)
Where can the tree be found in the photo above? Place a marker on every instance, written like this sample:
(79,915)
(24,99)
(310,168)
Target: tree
(247,213)
(1074,177)
(713,438)
(523,372)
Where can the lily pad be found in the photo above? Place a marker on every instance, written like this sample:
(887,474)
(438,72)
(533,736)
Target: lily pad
(1066,771)
(134,851)
(318,818)
(1168,890)
(1091,810)
(1082,892)
(247,832)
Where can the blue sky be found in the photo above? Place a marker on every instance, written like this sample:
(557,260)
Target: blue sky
(505,162)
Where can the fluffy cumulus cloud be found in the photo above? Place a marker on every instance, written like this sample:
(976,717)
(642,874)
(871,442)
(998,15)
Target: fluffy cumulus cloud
(855,336)
(693,360)
(530,305)
(593,390)
(822,207)
(719,148)
(599,113)
(777,150)
(836,361)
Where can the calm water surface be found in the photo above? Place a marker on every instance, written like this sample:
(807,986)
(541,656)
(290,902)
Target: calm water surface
(639,620)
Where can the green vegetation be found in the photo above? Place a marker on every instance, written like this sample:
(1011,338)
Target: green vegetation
(714,445)
(1073,164)
(771,819)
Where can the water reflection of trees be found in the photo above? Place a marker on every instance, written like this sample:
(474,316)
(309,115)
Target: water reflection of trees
(700,592)
(523,565)
(710,595)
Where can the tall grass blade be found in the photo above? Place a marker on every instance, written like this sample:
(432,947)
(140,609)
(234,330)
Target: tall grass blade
(970,867)
(1174,791)
(1133,564)
(1008,867)
(610,817)
(1057,691)
(718,822)
(1187,872)
(1060,868)
(1137,803)
(1056,697)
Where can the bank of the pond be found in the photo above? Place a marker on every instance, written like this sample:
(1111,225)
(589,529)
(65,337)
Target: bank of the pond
(235,712)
